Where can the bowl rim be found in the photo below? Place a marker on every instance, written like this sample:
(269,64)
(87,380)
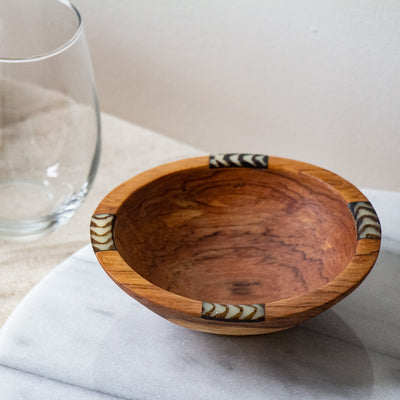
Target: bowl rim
(278,314)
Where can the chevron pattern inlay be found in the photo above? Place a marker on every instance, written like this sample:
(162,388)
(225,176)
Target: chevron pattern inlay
(101,232)
(229,312)
(237,160)
(368,226)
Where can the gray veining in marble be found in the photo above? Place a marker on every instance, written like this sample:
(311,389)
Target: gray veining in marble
(78,336)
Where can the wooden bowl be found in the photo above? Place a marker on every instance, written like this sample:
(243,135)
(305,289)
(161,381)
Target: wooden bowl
(236,244)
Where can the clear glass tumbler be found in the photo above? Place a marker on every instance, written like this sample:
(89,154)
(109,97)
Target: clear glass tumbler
(49,116)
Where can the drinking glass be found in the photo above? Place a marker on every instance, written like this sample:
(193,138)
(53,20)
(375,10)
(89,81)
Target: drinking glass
(49,116)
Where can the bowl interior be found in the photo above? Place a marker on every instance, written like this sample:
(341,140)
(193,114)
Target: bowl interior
(236,235)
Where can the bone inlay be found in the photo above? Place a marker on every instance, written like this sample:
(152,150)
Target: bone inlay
(368,226)
(101,232)
(237,160)
(230,312)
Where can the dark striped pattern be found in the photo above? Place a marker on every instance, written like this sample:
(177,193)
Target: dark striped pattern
(236,160)
(233,313)
(367,222)
(101,233)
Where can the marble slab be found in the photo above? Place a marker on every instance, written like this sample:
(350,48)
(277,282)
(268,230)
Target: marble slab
(76,335)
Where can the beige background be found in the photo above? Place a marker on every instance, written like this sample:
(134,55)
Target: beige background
(313,80)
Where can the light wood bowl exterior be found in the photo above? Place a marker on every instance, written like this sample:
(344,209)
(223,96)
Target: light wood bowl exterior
(236,244)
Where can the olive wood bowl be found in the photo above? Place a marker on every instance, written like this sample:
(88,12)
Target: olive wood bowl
(236,244)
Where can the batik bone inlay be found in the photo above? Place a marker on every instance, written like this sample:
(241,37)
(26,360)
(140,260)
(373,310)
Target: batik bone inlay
(238,160)
(101,233)
(368,226)
(229,312)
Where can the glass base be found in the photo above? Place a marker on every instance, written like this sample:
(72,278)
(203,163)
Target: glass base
(20,220)
(27,230)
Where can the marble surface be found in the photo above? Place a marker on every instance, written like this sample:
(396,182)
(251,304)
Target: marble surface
(76,335)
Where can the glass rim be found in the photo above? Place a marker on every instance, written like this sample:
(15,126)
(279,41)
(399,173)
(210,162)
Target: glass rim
(57,50)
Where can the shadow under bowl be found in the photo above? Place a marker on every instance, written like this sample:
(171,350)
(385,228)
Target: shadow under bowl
(236,244)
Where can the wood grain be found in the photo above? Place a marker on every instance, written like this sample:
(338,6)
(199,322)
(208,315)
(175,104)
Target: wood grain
(283,237)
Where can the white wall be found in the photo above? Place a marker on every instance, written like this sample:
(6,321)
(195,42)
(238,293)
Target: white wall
(312,80)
